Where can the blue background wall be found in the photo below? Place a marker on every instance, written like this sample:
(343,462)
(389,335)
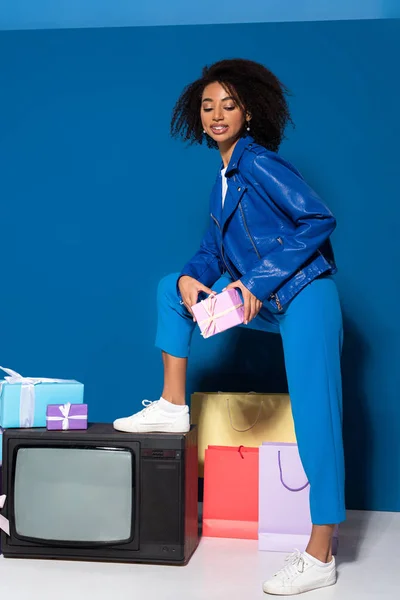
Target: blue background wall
(97,203)
(28,14)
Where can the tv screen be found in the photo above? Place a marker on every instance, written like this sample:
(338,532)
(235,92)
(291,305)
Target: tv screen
(74,494)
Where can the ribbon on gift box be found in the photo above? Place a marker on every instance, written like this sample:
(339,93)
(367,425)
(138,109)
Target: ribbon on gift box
(209,306)
(27,394)
(64,410)
(4,523)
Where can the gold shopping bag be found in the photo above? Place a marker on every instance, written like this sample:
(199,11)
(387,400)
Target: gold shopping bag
(238,419)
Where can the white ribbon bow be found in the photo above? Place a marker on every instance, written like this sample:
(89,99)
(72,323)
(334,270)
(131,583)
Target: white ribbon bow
(27,395)
(64,410)
(210,323)
(4,523)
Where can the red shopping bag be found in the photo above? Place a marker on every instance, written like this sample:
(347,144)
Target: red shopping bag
(230,508)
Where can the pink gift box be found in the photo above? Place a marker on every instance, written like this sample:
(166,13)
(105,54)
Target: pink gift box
(219,312)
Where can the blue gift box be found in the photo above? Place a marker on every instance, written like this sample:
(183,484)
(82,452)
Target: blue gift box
(24,400)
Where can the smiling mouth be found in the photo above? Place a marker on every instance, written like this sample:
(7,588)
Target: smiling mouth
(219,129)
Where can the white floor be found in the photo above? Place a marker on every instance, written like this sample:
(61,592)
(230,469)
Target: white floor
(368,565)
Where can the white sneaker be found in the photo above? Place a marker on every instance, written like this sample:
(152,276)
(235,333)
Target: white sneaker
(299,575)
(154,419)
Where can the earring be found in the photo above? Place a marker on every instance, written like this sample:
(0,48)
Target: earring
(248,126)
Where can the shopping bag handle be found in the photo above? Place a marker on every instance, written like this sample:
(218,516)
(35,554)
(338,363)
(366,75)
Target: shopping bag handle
(300,489)
(252,425)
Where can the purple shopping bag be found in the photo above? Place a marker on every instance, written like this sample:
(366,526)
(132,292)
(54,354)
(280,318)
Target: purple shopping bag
(284,499)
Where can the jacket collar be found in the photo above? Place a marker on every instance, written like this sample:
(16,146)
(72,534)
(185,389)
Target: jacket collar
(234,193)
(238,150)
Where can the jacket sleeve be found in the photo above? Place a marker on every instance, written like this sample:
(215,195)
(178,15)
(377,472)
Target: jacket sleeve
(286,191)
(206,265)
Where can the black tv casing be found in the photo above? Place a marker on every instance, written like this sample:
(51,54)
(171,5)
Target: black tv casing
(165,506)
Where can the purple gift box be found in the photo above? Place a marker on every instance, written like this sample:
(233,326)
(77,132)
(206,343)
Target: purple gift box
(219,312)
(67,416)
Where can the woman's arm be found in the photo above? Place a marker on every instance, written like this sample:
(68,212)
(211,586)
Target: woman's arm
(282,185)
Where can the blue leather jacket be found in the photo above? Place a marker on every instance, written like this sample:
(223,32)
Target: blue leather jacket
(272,233)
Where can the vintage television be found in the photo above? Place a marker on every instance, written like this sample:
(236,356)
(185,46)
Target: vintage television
(100,494)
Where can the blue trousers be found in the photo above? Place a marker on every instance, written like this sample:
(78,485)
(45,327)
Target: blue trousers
(312,333)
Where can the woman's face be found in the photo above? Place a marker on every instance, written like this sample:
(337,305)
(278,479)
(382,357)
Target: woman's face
(222,119)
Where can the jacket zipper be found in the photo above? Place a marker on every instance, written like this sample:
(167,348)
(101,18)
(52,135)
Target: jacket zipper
(278,303)
(222,249)
(273,296)
(248,232)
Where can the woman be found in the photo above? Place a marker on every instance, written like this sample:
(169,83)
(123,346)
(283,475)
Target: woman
(268,236)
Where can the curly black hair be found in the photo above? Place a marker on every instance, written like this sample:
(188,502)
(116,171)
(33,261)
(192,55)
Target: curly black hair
(258,91)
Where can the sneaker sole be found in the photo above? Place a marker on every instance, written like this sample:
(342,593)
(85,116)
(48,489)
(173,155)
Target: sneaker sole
(296,591)
(154,429)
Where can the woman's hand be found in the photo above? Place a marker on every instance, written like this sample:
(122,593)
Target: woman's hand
(252,305)
(190,289)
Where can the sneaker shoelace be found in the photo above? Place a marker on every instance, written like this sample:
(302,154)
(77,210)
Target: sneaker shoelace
(294,565)
(149,405)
